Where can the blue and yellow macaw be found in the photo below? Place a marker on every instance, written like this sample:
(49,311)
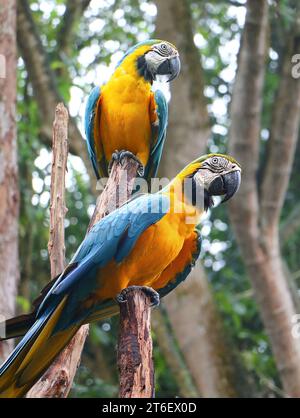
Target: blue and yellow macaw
(124,117)
(151,241)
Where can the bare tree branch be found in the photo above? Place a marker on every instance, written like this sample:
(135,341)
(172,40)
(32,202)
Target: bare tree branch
(56,244)
(135,349)
(118,189)
(67,27)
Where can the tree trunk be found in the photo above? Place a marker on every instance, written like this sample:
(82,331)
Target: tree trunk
(254,214)
(191,308)
(9,190)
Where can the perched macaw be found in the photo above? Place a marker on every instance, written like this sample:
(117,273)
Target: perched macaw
(150,241)
(125,117)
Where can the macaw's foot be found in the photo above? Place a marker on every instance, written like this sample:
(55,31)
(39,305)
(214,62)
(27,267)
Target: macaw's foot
(153,295)
(119,157)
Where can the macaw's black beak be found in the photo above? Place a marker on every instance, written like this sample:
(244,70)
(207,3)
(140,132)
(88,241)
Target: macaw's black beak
(170,67)
(226,184)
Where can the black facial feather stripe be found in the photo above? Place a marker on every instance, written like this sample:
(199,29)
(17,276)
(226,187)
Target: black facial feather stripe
(208,200)
(163,53)
(143,69)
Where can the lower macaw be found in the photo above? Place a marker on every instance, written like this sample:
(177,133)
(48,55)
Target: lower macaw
(152,240)
(125,117)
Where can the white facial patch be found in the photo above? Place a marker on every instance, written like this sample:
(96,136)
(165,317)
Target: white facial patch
(153,60)
(204,177)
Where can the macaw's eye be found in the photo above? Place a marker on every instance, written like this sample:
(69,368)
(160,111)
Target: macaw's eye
(164,49)
(215,160)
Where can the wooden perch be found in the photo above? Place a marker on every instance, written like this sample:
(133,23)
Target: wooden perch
(57,380)
(135,361)
(56,244)
(117,190)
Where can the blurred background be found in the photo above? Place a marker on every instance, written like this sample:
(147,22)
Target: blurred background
(232,328)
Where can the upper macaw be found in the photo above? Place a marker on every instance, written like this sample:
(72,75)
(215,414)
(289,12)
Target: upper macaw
(125,117)
(151,241)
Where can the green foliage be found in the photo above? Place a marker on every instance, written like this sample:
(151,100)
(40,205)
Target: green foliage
(88,386)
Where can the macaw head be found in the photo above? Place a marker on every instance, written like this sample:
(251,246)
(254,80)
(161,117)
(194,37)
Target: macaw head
(216,175)
(155,59)
(160,61)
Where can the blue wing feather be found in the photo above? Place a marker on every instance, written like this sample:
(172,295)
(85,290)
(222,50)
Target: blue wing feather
(89,122)
(132,219)
(160,136)
(111,238)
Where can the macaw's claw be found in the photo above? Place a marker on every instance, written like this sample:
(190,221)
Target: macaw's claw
(129,154)
(119,157)
(151,293)
(115,157)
